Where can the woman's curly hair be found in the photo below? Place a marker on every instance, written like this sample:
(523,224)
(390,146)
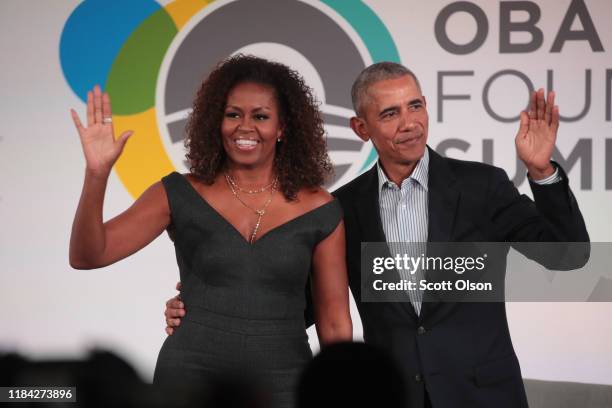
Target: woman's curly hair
(301,158)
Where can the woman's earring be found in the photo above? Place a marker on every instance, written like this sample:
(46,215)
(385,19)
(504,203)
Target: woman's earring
(278,140)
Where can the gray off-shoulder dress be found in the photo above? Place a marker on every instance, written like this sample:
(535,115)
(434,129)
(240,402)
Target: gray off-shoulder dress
(244,302)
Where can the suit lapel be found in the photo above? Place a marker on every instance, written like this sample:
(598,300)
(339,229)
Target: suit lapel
(443,199)
(368,209)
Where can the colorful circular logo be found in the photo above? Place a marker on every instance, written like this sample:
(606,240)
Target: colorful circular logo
(152,59)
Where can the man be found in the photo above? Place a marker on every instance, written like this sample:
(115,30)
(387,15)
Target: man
(452,354)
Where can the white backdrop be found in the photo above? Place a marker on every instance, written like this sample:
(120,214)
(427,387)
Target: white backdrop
(48,309)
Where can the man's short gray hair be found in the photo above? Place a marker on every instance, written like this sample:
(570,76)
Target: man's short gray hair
(374,73)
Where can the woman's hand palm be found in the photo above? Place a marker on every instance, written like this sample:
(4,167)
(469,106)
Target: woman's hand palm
(99,146)
(98,139)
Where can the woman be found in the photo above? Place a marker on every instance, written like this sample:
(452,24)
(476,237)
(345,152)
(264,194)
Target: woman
(250,221)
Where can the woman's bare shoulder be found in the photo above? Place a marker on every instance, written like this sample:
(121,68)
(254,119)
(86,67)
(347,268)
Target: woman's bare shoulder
(192,178)
(312,198)
(197,182)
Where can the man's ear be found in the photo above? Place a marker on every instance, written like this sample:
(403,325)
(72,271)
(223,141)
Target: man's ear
(360,128)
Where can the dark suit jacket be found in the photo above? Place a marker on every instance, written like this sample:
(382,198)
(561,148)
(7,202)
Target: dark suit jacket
(460,352)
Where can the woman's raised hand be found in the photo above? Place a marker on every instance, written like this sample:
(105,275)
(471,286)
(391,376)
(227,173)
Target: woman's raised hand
(98,138)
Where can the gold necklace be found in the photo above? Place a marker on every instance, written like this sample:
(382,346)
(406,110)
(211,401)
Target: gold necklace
(259,212)
(231,180)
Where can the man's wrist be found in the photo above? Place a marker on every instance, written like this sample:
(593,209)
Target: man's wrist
(551,179)
(541,174)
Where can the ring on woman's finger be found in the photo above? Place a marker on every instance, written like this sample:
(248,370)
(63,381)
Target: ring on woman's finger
(107,120)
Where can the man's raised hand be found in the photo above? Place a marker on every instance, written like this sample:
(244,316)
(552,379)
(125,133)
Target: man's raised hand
(535,140)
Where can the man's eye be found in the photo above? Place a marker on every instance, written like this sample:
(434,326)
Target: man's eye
(416,107)
(389,115)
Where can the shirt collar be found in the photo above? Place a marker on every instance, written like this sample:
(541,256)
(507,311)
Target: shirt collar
(420,174)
